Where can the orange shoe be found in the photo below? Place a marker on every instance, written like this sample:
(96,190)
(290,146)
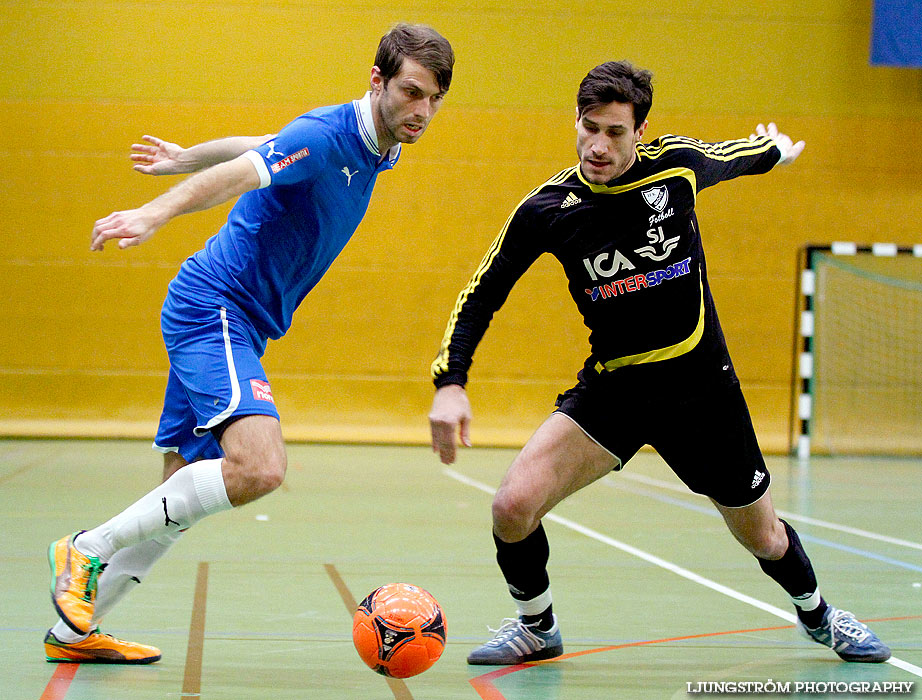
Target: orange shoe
(73,583)
(99,648)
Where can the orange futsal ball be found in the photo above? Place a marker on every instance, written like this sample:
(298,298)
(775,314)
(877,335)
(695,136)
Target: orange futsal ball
(399,630)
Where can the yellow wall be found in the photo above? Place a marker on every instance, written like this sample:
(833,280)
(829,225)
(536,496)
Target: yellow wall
(80,351)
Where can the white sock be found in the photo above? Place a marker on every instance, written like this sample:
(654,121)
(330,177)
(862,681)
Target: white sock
(126,569)
(193,492)
(66,634)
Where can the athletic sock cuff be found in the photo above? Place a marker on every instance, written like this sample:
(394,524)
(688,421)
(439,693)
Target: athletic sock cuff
(209,486)
(808,601)
(536,605)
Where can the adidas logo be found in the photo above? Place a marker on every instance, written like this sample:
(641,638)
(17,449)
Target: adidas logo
(570,201)
(757,479)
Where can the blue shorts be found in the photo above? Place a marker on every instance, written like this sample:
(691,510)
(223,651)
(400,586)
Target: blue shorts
(215,375)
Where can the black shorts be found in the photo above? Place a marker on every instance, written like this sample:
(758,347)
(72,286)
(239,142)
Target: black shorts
(706,438)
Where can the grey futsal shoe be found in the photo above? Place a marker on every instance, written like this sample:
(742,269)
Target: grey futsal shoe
(847,637)
(515,642)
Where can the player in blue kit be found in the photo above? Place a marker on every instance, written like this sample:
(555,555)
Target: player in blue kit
(302,194)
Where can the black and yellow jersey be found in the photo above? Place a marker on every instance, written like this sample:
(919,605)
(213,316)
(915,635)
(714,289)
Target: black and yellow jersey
(632,254)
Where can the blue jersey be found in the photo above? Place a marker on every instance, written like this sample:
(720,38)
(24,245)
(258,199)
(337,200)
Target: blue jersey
(316,179)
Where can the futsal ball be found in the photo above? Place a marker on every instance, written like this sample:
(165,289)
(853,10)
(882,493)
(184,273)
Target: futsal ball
(399,630)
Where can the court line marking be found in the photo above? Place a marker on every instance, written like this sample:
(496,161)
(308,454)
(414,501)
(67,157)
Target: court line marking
(60,681)
(483,684)
(487,691)
(398,686)
(650,481)
(712,512)
(669,566)
(4,478)
(192,675)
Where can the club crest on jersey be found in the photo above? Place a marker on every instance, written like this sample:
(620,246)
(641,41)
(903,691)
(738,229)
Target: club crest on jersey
(261,390)
(656,197)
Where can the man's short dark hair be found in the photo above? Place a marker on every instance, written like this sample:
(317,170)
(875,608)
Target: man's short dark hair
(422,44)
(616,81)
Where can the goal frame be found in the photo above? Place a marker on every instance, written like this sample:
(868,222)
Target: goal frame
(802,365)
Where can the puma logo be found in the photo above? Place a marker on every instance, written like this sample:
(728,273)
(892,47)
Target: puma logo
(166,513)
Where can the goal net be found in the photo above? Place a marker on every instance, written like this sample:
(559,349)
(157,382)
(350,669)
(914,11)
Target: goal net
(861,359)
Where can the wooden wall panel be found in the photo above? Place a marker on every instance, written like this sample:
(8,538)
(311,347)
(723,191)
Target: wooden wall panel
(80,352)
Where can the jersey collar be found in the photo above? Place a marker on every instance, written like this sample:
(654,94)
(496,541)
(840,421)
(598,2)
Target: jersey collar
(366,124)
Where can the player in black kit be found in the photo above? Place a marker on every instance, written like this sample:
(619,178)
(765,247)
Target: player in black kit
(622,224)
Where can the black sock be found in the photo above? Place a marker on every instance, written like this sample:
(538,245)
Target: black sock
(524,566)
(813,618)
(544,621)
(794,573)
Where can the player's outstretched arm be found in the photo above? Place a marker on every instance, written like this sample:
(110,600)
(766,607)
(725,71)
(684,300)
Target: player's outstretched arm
(450,417)
(201,191)
(789,149)
(159,157)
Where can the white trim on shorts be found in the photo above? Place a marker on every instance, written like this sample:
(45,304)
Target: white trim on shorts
(164,450)
(200,430)
(618,465)
(764,494)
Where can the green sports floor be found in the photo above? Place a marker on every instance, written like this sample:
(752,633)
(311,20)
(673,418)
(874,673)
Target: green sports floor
(653,595)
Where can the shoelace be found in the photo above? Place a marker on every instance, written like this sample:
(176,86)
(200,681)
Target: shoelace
(98,632)
(512,627)
(94,569)
(848,626)
(108,636)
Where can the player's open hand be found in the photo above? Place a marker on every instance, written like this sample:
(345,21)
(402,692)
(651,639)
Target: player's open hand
(131,227)
(159,157)
(789,149)
(450,417)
